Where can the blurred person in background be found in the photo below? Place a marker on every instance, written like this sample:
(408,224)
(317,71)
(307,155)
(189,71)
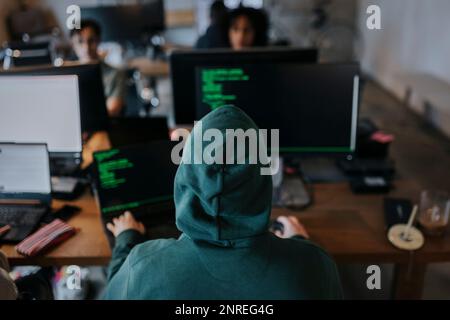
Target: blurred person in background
(85,42)
(216,34)
(247,27)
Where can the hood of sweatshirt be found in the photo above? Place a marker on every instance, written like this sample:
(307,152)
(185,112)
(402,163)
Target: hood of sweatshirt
(222,203)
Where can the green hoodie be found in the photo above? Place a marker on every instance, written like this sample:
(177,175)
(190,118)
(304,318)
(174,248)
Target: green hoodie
(225,250)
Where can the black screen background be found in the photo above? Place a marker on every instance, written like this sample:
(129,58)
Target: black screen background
(311,105)
(152,175)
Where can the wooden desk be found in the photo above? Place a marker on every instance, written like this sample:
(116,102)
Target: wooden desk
(88,247)
(352,229)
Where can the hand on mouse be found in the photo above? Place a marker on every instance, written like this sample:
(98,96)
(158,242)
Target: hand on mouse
(292,227)
(123,223)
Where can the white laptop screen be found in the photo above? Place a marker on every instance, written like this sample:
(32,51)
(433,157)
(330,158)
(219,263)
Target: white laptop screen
(24,169)
(35,109)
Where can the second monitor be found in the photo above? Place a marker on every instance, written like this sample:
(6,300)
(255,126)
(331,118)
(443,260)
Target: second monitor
(184,66)
(43,109)
(314,106)
(94,114)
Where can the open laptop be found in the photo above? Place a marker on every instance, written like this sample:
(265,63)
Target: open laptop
(25,188)
(138,178)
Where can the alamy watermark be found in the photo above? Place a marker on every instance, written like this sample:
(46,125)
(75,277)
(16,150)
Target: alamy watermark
(374,20)
(231,146)
(74,19)
(373,282)
(73,280)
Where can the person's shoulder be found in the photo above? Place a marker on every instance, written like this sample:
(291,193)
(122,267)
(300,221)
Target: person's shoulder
(308,248)
(148,250)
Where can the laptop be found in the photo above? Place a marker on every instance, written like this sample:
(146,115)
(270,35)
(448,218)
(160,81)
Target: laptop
(25,189)
(139,179)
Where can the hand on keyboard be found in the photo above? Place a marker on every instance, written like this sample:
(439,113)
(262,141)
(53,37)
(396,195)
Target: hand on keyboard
(123,223)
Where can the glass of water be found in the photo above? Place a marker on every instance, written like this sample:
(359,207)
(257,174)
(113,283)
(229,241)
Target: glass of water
(434,212)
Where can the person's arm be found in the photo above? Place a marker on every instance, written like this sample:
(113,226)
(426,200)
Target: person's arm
(293,229)
(128,233)
(125,242)
(115,101)
(114,106)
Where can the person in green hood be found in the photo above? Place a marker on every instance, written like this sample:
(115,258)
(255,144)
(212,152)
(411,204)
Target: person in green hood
(226,250)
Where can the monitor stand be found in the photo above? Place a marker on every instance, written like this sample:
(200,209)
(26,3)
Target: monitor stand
(290,190)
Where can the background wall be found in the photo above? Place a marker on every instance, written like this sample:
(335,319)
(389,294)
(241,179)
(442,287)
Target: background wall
(292,18)
(415,38)
(184,35)
(6,6)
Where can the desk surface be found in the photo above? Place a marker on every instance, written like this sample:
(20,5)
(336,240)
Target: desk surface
(88,247)
(350,227)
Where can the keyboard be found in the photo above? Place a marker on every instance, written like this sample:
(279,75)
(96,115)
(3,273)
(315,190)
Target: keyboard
(158,219)
(23,219)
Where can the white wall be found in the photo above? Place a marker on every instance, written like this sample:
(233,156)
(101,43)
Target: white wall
(415,37)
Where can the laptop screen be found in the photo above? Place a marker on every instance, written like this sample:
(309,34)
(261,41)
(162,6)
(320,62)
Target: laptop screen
(24,168)
(134,176)
(35,109)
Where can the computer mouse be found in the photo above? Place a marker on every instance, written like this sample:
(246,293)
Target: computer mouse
(276,226)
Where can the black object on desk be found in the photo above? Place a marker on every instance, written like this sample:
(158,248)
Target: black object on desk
(64,214)
(367,147)
(397,211)
(369,175)
(369,166)
(370,184)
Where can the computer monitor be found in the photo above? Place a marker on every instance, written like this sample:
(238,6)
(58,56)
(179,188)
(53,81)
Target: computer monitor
(94,115)
(22,54)
(183,66)
(124,23)
(43,109)
(131,131)
(315,107)
(132,177)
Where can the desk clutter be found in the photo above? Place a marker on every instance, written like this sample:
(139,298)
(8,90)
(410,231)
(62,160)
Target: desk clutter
(45,238)
(370,170)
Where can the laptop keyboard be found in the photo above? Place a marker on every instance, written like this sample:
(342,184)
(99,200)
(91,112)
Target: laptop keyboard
(17,215)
